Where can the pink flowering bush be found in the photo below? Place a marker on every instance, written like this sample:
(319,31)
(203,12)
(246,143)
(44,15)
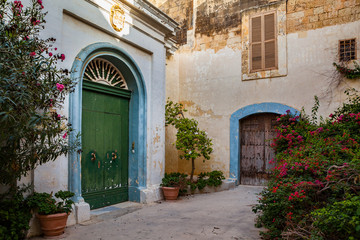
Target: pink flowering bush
(317,172)
(32,92)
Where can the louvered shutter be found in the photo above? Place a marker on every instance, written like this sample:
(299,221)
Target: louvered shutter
(256,44)
(263,42)
(270,41)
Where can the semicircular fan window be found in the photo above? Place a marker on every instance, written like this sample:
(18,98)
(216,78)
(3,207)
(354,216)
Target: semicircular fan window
(102,71)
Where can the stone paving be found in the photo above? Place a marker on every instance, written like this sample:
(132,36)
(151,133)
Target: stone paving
(220,215)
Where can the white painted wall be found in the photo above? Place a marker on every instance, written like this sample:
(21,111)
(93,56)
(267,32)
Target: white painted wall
(73,35)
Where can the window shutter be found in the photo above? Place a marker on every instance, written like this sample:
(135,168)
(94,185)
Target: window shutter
(256,45)
(263,42)
(270,41)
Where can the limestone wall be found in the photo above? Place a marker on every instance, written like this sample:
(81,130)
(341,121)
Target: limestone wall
(211,67)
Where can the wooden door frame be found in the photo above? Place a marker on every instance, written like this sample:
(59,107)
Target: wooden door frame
(235,154)
(137,116)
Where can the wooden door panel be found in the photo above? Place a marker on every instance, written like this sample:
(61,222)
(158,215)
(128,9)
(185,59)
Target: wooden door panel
(105,124)
(92,172)
(255,134)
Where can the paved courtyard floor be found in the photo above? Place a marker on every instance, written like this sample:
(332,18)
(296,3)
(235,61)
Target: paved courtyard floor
(220,215)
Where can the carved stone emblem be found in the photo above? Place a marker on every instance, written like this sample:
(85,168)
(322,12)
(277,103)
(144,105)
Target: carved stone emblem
(117,18)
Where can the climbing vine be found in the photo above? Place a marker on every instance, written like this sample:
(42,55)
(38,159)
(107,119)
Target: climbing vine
(348,72)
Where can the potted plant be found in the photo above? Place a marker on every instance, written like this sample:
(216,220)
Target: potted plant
(52,215)
(172,183)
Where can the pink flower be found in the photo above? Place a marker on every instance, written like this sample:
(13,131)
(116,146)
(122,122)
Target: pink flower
(18,5)
(50,54)
(60,87)
(64,136)
(62,57)
(32,54)
(39,2)
(55,49)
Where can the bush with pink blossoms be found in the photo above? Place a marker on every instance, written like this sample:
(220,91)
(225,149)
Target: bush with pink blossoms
(317,174)
(32,92)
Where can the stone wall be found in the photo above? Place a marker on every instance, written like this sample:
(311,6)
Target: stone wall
(307,15)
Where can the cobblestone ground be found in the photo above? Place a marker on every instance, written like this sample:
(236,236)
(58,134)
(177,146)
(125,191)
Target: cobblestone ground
(220,215)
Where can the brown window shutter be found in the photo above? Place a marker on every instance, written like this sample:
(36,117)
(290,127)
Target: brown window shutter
(256,45)
(256,58)
(270,41)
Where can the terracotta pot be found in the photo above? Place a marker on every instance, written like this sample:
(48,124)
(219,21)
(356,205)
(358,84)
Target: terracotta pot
(53,224)
(171,193)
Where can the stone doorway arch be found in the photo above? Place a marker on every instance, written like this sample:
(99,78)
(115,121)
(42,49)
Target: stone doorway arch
(137,115)
(235,151)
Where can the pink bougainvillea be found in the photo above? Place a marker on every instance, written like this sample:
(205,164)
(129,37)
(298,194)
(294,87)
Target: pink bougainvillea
(60,87)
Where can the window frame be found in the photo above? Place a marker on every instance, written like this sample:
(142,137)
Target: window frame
(263,41)
(355,51)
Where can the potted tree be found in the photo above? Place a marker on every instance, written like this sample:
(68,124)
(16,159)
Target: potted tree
(52,215)
(192,142)
(172,183)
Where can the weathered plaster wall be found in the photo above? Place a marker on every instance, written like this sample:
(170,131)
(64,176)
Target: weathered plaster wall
(211,68)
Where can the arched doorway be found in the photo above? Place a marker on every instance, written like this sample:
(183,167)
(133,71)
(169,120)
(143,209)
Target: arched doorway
(235,131)
(123,112)
(105,134)
(256,132)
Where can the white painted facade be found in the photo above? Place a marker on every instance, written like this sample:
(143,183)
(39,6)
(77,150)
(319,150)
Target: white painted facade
(145,38)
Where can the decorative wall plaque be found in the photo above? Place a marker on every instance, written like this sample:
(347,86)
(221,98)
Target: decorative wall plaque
(117,18)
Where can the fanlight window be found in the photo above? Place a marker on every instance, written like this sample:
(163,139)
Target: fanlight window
(102,71)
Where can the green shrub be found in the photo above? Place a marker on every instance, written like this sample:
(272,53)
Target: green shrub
(213,179)
(14,217)
(340,220)
(45,204)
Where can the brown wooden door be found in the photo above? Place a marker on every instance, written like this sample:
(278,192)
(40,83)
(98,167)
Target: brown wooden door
(255,138)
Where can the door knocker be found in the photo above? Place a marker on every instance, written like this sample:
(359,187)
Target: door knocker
(114,155)
(93,155)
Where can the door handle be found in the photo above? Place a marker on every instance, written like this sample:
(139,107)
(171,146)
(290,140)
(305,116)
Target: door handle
(93,155)
(114,156)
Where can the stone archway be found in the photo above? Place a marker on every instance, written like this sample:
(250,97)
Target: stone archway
(137,115)
(235,118)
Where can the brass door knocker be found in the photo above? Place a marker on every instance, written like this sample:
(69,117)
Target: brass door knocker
(93,155)
(114,155)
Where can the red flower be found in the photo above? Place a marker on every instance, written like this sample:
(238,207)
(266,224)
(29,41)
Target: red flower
(32,54)
(50,54)
(62,57)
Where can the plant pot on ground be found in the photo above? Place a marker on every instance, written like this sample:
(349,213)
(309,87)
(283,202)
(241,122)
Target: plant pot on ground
(52,215)
(172,183)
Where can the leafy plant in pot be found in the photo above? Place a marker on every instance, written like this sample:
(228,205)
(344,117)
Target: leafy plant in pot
(51,214)
(172,183)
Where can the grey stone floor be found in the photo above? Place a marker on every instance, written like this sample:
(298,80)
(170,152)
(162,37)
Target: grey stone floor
(220,215)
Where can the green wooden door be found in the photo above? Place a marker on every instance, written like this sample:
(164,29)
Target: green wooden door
(105,134)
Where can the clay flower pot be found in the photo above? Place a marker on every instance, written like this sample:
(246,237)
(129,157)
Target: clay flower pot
(171,193)
(53,224)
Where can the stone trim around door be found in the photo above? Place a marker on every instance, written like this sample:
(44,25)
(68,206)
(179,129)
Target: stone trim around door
(137,118)
(267,107)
